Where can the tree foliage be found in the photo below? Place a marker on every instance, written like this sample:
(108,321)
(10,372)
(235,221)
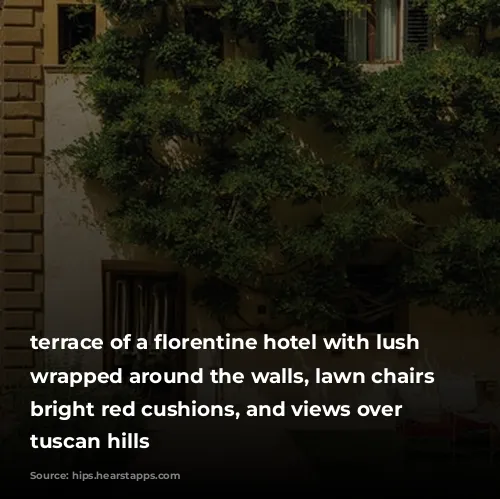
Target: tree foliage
(207,162)
(455,17)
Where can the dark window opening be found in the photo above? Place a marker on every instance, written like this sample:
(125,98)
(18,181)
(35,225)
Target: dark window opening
(204,27)
(332,39)
(77,25)
(372,309)
(143,305)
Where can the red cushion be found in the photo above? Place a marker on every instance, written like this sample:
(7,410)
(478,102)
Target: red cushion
(428,428)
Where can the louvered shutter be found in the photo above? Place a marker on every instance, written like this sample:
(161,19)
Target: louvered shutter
(418,35)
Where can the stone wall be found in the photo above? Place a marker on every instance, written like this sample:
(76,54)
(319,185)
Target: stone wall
(21,185)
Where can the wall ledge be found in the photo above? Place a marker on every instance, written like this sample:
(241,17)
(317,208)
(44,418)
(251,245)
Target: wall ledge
(63,69)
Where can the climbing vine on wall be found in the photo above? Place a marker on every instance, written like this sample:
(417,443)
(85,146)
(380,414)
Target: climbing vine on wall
(216,163)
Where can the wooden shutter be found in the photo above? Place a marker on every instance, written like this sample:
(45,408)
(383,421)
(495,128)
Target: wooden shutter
(417,26)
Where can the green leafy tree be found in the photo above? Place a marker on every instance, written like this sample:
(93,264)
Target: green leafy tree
(207,164)
(452,18)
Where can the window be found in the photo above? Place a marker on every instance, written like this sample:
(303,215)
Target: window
(142,304)
(332,39)
(373,308)
(375,35)
(204,27)
(77,24)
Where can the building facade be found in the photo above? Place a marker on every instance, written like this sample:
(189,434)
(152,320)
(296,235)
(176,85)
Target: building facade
(22,171)
(61,275)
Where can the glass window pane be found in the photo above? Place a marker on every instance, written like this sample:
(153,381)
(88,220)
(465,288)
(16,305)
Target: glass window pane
(358,37)
(387,30)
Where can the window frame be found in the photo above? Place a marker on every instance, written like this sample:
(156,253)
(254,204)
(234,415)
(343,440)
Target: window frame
(113,271)
(399,315)
(371,28)
(51,28)
(61,32)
